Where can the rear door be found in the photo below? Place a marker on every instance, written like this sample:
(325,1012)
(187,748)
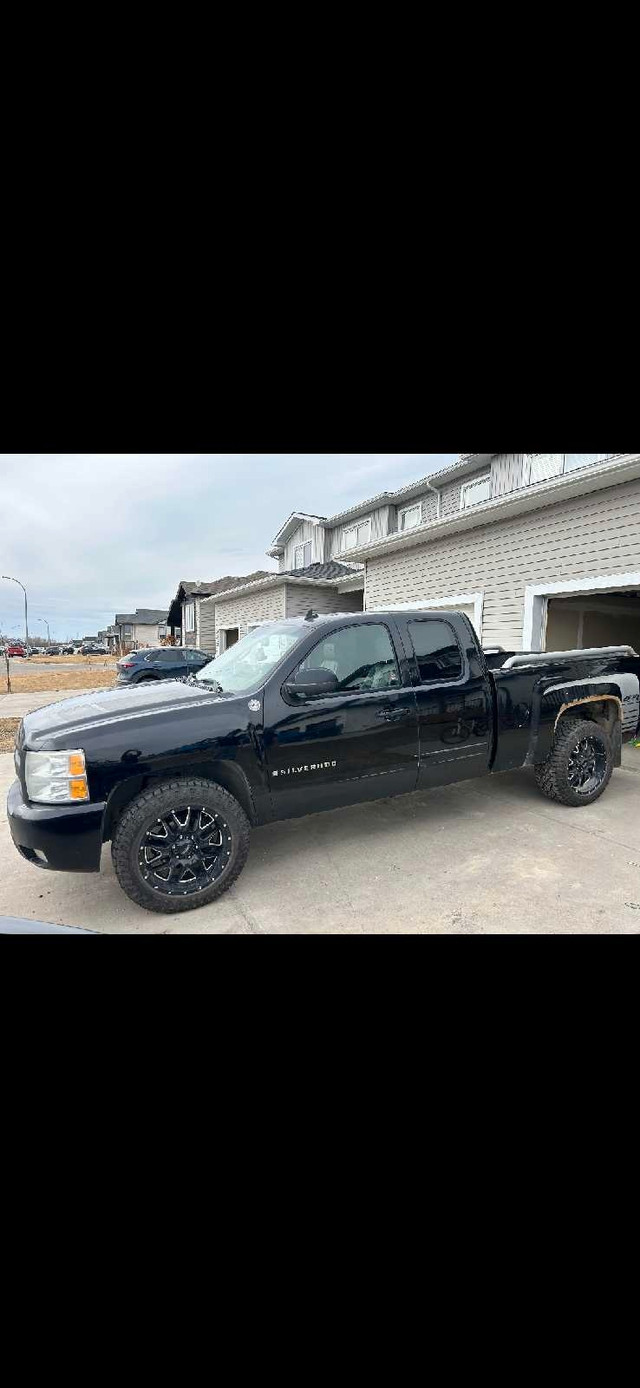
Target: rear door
(454,701)
(356,744)
(167,663)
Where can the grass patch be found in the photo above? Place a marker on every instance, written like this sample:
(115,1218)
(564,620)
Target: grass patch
(71,660)
(8,730)
(44,680)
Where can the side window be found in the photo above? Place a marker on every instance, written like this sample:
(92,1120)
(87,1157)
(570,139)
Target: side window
(437,651)
(361,657)
(165,656)
(194,657)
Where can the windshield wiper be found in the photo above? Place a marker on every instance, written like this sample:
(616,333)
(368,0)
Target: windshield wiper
(215,684)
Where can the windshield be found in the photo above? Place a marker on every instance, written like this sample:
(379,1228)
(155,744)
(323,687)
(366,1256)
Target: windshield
(248,664)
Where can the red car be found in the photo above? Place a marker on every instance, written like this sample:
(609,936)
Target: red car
(14,648)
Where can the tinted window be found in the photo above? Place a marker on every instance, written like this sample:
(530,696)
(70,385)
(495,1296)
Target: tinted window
(361,657)
(196,658)
(166,657)
(437,651)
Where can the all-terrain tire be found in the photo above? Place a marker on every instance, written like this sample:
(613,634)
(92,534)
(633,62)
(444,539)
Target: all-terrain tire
(149,807)
(552,775)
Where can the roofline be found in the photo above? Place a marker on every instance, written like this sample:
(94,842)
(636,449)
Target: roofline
(281,538)
(467,462)
(276,579)
(594,478)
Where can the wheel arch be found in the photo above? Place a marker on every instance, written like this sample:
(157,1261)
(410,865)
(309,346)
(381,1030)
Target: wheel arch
(225,774)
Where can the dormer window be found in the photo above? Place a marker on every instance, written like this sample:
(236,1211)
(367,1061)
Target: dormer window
(410,517)
(474,493)
(302,555)
(357,535)
(538,467)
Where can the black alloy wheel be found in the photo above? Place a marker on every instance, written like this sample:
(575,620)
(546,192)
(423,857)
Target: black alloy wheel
(580,764)
(180,844)
(185,851)
(587,766)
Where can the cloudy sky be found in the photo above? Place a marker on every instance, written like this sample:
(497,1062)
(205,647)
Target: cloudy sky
(93,534)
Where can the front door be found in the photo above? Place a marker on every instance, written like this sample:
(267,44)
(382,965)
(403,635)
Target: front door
(356,744)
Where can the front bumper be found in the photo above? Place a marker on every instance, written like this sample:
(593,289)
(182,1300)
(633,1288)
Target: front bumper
(64,838)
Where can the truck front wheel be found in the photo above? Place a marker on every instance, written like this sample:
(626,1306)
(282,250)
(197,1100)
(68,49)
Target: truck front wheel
(180,844)
(580,763)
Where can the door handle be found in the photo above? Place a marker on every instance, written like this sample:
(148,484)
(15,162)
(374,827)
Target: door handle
(391,715)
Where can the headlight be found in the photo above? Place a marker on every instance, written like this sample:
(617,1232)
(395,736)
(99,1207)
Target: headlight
(56,777)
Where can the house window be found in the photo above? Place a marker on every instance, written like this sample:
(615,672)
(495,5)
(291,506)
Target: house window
(409,518)
(302,555)
(190,616)
(538,467)
(357,535)
(474,493)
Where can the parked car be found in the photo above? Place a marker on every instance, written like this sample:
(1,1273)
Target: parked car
(68,650)
(16,648)
(54,650)
(305,714)
(94,648)
(161,663)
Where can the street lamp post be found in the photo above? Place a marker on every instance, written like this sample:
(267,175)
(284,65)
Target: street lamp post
(26,614)
(43,619)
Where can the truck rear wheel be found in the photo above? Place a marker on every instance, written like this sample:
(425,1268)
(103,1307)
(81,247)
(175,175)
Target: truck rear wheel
(180,845)
(580,764)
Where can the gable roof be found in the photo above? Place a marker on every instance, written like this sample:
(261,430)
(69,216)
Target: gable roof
(326,574)
(332,569)
(192,588)
(145,616)
(291,525)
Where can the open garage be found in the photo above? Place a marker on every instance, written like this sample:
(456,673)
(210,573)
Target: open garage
(596,619)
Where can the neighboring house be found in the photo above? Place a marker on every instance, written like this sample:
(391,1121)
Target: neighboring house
(314,572)
(542,550)
(184,616)
(323,587)
(144,627)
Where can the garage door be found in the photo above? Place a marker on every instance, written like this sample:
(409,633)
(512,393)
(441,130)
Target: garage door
(466,608)
(431,605)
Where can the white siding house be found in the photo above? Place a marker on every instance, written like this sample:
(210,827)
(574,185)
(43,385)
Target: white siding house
(541,550)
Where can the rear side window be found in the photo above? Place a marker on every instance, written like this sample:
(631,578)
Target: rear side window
(437,651)
(195,658)
(165,657)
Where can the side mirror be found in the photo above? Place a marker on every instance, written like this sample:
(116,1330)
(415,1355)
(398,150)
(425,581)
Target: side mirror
(311,684)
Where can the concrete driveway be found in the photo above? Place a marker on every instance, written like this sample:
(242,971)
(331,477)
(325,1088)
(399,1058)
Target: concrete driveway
(482,857)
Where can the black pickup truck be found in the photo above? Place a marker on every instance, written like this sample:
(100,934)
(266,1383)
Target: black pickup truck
(304,714)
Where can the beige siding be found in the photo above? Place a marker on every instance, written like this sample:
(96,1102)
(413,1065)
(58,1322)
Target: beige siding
(300,599)
(596,534)
(306,531)
(207,624)
(144,635)
(250,607)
